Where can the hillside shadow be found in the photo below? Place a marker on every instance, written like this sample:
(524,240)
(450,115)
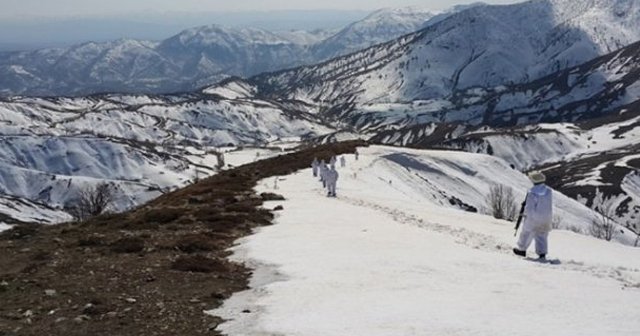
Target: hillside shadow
(539,55)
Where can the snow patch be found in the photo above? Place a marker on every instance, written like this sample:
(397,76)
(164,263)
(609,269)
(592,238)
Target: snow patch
(4,227)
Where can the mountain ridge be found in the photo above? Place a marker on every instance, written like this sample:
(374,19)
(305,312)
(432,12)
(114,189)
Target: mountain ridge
(192,58)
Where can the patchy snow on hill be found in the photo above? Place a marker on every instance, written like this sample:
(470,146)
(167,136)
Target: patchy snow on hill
(389,256)
(577,157)
(51,148)
(232,90)
(24,210)
(536,145)
(536,61)
(52,170)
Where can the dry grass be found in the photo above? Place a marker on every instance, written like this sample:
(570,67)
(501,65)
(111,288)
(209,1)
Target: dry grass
(162,215)
(195,243)
(199,263)
(92,241)
(128,245)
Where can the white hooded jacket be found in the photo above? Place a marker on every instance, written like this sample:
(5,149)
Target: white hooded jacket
(538,210)
(332,176)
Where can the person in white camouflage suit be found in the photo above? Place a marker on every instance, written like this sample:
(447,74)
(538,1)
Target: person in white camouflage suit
(332,180)
(537,217)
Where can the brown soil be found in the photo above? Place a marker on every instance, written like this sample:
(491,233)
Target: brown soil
(151,271)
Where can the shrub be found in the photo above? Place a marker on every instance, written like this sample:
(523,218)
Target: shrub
(92,201)
(603,225)
(556,222)
(501,203)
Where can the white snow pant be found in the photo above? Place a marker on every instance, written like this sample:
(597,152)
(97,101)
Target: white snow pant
(527,236)
(331,188)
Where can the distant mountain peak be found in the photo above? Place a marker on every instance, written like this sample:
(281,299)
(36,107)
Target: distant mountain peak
(467,45)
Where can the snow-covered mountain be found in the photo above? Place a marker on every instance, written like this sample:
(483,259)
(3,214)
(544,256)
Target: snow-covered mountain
(143,145)
(596,150)
(220,52)
(231,113)
(480,48)
(467,46)
(191,59)
(160,139)
(381,26)
(608,85)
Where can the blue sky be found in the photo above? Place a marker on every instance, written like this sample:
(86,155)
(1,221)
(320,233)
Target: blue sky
(66,8)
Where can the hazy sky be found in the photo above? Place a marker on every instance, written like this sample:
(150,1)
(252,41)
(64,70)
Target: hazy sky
(66,8)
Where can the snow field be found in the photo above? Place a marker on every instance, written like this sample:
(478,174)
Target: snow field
(388,258)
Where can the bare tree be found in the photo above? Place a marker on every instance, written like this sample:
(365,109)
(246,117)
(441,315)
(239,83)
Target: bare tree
(557,220)
(603,225)
(92,201)
(501,202)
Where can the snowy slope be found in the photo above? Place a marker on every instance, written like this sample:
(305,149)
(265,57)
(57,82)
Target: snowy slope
(385,259)
(26,211)
(143,145)
(528,146)
(381,26)
(460,66)
(173,119)
(52,170)
(578,157)
(456,180)
(603,86)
